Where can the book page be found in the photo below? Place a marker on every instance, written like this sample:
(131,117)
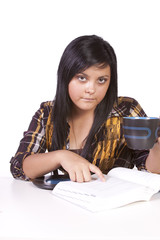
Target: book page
(98,189)
(147,179)
(97,195)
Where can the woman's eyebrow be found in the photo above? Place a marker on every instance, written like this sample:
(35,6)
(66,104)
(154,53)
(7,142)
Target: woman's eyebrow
(83,74)
(104,76)
(88,76)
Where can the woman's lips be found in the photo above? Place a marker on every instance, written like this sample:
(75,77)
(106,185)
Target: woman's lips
(88,99)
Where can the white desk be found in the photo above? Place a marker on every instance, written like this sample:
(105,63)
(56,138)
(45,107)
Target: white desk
(27,212)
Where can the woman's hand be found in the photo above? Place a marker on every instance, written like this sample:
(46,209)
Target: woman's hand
(78,168)
(153,159)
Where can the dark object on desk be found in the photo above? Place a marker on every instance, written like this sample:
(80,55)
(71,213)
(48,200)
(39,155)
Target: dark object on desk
(49,182)
(140,132)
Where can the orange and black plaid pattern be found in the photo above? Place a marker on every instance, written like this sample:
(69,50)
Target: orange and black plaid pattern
(108,150)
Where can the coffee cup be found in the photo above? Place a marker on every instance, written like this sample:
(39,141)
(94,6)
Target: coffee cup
(141,132)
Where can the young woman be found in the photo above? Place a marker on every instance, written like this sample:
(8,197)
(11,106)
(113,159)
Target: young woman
(81,130)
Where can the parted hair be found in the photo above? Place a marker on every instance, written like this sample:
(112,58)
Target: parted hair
(82,53)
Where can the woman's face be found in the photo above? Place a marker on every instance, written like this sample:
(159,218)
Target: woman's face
(88,88)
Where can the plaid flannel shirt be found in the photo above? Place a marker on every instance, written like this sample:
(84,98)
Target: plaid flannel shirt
(108,150)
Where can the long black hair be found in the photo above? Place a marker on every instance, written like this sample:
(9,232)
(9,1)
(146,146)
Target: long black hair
(81,53)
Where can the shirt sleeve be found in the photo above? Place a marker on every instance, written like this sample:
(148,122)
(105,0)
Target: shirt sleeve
(33,141)
(126,156)
(129,158)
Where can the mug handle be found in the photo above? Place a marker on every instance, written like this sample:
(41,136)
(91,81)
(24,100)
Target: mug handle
(156,132)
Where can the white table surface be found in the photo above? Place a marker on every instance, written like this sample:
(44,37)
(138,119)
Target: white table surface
(27,212)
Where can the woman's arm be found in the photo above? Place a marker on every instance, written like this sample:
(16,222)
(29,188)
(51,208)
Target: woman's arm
(78,168)
(33,141)
(39,164)
(153,159)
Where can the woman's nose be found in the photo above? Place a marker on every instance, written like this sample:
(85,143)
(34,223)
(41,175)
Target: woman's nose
(90,87)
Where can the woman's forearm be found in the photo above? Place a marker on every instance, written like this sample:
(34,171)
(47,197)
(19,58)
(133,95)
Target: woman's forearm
(37,165)
(153,160)
(78,168)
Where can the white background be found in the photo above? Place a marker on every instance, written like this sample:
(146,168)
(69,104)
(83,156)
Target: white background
(33,35)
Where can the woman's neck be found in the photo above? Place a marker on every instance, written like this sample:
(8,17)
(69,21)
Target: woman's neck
(80,125)
(81,114)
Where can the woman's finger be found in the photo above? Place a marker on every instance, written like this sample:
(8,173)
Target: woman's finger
(86,174)
(79,176)
(72,176)
(97,171)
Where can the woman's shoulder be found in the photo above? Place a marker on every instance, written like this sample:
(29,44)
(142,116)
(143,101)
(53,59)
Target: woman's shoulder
(43,114)
(47,104)
(44,110)
(126,100)
(127,106)
(46,107)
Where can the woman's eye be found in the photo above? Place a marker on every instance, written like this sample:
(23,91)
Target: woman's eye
(81,78)
(102,80)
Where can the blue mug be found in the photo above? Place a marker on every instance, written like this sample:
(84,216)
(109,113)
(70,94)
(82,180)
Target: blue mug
(141,132)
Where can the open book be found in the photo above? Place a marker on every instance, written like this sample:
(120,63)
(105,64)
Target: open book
(122,186)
